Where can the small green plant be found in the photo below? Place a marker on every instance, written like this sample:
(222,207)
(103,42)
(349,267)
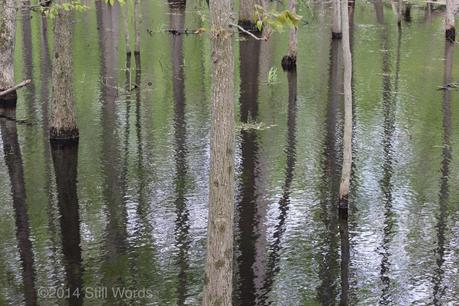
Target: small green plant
(54,9)
(275,20)
(272,76)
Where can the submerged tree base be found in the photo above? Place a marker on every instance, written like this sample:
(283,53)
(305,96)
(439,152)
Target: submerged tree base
(343,204)
(450,34)
(8,100)
(63,135)
(289,63)
(336,35)
(60,144)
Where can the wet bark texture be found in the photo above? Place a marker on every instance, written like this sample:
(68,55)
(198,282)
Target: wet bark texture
(219,261)
(7,39)
(63,124)
(450,30)
(336,25)
(347,136)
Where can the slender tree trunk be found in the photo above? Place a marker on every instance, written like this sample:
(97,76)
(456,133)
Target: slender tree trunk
(379,9)
(450,30)
(63,125)
(347,136)
(397,8)
(336,26)
(219,261)
(127,37)
(289,61)
(137,23)
(7,40)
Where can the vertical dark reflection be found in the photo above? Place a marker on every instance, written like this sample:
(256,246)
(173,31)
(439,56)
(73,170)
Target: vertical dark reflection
(115,265)
(290,151)
(13,160)
(345,258)
(246,221)
(65,160)
(27,53)
(328,263)
(182,225)
(389,97)
(438,286)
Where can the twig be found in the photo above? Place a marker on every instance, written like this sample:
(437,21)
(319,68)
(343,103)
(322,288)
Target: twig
(20,85)
(248,32)
(185,31)
(448,86)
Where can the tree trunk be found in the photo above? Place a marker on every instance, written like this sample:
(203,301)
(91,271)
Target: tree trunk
(336,26)
(450,31)
(63,124)
(247,14)
(127,38)
(289,61)
(347,136)
(7,39)
(137,22)
(379,9)
(219,261)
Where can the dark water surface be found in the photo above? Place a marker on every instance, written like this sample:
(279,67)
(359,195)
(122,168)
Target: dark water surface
(128,208)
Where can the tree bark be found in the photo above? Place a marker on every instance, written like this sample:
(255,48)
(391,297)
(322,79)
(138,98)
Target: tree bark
(289,61)
(336,26)
(219,261)
(63,125)
(7,40)
(137,22)
(247,14)
(450,30)
(347,136)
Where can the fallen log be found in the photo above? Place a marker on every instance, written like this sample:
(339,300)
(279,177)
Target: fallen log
(14,88)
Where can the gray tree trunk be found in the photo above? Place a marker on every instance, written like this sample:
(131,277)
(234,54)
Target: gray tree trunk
(219,261)
(450,31)
(8,11)
(336,25)
(137,22)
(347,136)
(63,125)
